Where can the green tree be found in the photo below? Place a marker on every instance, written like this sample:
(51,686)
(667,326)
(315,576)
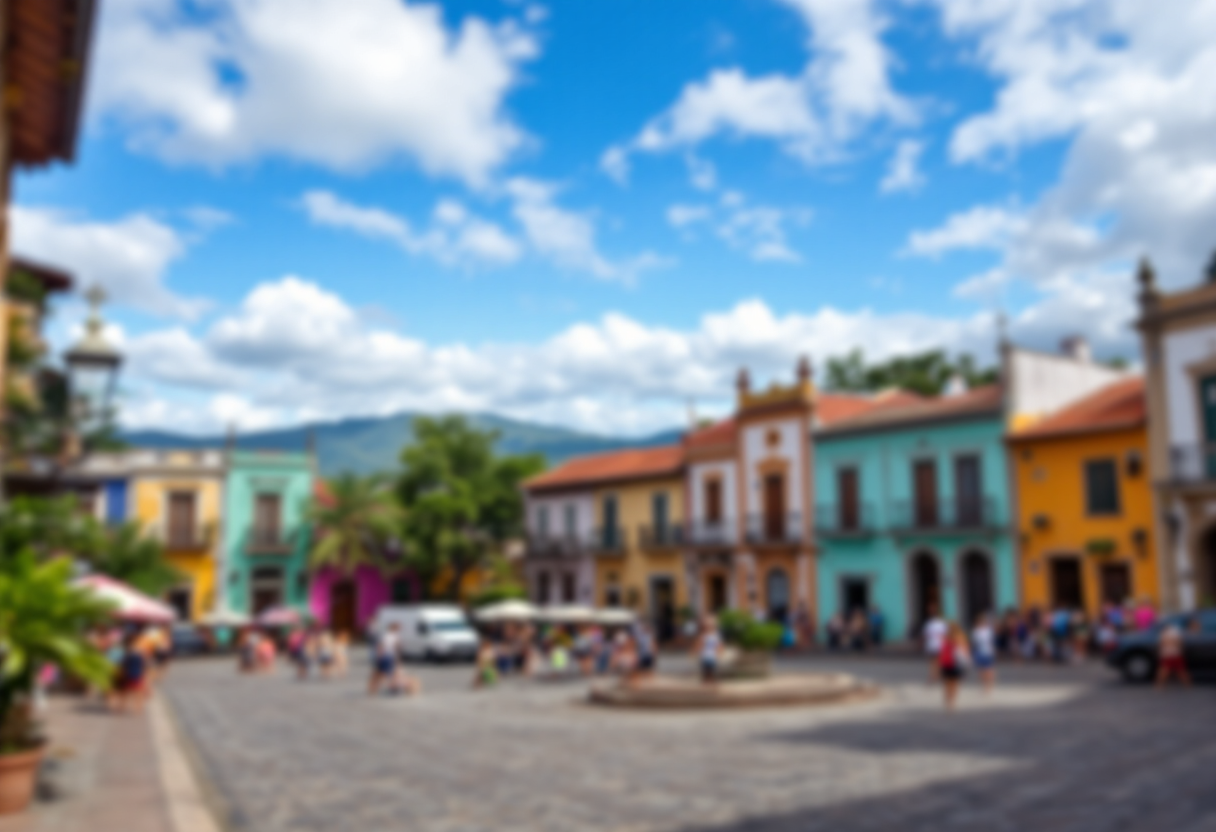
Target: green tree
(462,501)
(925,373)
(353,523)
(43,620)
(129,554)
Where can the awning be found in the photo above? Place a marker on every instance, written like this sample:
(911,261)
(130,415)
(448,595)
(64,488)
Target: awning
(506,611)
(130,604)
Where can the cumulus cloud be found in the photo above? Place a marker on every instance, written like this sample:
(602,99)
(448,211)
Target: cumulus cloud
(128,257)
(843,88)
(760,231)
(903,173)
(981,227)
(340,83)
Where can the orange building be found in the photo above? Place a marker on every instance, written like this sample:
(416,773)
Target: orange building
(1084,502)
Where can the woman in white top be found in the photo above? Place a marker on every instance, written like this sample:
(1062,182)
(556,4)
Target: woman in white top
(709,648)
(983,651)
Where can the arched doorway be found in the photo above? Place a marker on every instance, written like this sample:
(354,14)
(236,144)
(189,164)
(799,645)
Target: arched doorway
(265,589)
(777,593)
(977,586)
(926,588)
(343,602)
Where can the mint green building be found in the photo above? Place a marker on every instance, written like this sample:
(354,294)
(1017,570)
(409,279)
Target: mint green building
(914,512)
(266,534)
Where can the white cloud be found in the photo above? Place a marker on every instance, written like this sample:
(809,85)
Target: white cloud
(702,173)
(982,227)
(903,173)
(757,230)
(680,215)
(128,257)
(813,116)
(341,83)
(1130,86)
(455,236)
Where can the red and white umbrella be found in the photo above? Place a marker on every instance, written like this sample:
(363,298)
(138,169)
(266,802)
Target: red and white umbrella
(130,604)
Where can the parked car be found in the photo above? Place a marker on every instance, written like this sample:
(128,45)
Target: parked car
(1135,654)
(435,632)
(188,640)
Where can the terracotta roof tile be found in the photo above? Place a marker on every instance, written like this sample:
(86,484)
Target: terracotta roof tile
(907,408)
(719,433)
(1120,404)
(634,463)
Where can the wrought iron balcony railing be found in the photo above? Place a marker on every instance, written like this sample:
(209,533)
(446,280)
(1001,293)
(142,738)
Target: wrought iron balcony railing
(1193,463)
(667,536)
(952,515)
(711,533)
(608,541)
(542,545)
(271,542)
(775,529)
(846,520)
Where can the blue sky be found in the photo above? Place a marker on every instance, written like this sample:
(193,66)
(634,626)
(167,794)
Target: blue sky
(592,213)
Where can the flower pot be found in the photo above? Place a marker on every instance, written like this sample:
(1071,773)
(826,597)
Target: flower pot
(18,774)
(749,664)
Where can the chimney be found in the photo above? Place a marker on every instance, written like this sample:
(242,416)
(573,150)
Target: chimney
(1076,348)
(956,385)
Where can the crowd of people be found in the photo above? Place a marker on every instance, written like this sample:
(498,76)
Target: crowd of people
(139,657)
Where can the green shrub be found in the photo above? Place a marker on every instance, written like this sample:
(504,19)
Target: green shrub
(762,637)
(497,593)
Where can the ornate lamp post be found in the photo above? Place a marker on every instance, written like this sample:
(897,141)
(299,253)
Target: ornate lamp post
(93,365)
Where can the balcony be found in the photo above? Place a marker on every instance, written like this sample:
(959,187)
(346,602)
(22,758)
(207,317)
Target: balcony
(608,541)
(1193,463)
(546,546)
(668,536)
(946,516)
(195,538)
(712,534)
(844,521)
(271,542)
(774,530)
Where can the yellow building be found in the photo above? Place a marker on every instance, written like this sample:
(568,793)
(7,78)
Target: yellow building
(1084,502)
(178,497)
(608,530)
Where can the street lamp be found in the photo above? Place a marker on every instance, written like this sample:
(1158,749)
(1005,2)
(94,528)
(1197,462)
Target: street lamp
(92,368)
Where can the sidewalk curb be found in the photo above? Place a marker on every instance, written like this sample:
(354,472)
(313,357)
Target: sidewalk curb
(188,809)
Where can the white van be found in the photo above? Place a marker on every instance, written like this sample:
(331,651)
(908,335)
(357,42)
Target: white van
(430,631)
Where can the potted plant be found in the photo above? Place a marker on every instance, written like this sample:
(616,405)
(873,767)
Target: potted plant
(43,620)
(755,642)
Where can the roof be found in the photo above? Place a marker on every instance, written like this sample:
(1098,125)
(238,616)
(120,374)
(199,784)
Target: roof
(831,408)
(46,58)
(321,492)
(51,278)
(1118,405)
(634,463)
(907,410)
(719,433)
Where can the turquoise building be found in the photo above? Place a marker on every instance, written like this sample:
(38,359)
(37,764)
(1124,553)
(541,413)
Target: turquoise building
(266,535)
(914,511)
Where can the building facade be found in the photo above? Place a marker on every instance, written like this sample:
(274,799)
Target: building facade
(914,512)
(1179,337)
(1085,504)
(266,536)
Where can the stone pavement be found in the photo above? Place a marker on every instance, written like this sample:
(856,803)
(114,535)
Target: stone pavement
(101,775)
(1052,749)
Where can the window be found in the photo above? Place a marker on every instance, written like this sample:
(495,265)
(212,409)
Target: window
(1102,486)
(658,514)
(182,506)
(267,517)
(542,521)
(571,521)
(713,500)
(848,487)
(968,490)
(569,595)
(542,588)
(609,518)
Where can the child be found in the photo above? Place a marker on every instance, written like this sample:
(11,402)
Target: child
(486,675)
(1170,661)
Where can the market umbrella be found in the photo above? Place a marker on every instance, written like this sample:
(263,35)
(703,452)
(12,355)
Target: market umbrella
(615,616)
(506,611)
(279,617)
(225,618)
(130,604)
(567,614)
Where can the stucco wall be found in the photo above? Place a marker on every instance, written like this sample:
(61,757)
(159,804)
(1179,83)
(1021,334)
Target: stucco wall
(755,449)
(1040,384)
(634,569)
(1182,349)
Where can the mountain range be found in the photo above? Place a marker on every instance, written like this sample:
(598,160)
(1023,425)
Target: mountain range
(372,444)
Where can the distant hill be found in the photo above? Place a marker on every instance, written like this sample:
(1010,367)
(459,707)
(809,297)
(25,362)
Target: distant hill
(368,445)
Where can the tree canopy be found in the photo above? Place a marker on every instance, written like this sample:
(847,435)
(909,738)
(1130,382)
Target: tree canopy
(353,524)
(461,499)
(925,373)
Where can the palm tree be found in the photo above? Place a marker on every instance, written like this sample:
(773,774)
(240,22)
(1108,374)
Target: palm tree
(352,522)
(130,555)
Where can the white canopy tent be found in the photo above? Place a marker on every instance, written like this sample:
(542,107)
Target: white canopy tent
(505,611)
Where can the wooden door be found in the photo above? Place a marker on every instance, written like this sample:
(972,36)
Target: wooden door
(1116,583)
(977,587)
(774,507)
(925,488)
(718,596)
(181,518)
(663,607)
(267,518)
(850,505)
(343,604)
(967,491)
(1066,588)
(927,583)
(713,502)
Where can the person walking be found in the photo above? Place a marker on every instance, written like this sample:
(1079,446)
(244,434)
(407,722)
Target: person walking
(709,650)
(385,658)
(983,651)
(1171,663)
(325,653)
(952,661)
(934,635)
(133,674)
(644,647)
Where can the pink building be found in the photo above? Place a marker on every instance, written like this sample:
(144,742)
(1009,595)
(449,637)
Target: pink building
(349,602)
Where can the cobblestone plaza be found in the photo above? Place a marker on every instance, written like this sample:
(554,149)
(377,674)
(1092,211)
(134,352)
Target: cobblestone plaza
(1051,749)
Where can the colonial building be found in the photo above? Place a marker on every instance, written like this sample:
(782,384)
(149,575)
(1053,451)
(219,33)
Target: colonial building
(266,536)
(1179,334)
(1085,512)
(607,530)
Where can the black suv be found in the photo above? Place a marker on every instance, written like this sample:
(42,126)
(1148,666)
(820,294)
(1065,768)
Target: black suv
(1135,654)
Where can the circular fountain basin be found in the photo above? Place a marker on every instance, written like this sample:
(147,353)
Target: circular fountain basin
(689,693)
